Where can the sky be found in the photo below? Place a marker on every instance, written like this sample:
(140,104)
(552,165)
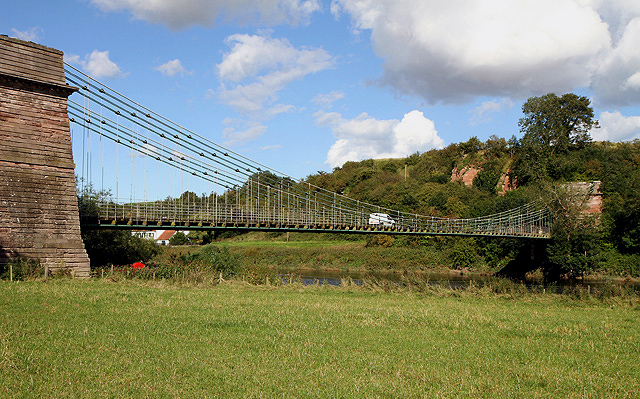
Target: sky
(305,85)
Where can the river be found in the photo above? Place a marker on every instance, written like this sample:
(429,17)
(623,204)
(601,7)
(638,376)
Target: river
(445,280)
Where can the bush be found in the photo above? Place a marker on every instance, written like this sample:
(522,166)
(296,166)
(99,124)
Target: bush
(620,264)
(22,269)
(219,259)
(179,239)
(379,240)
(117,247)
(463,254)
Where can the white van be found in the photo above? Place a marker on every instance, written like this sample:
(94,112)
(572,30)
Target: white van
(381,219)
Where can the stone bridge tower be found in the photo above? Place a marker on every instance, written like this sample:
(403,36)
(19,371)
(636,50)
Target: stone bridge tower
(38,206)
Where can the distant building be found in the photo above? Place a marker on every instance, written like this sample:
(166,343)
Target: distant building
(146,234)
(166,235)
(162,237)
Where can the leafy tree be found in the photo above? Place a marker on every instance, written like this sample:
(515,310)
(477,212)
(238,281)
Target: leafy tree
(463,253)
(552,126)
(219,259)
(179,239)
(620,185)
(105,247)
(487,179)
(557,124)
(575,235)
(201,237)
(117,247)
(495,146)
(471,146)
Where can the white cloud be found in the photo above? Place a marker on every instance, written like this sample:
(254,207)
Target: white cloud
(366,137)
(239,131)
(457,50)
(633,82)
(485,111)
(616,127)
(97,64)
(72,59)
(327,100)
(171,68)
(29,35)
(185,13)
(618,78)
(258,67)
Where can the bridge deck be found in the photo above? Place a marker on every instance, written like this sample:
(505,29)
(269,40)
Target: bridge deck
(247,226)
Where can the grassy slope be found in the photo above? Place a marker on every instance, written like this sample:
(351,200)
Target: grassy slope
(99,339)
(309,251)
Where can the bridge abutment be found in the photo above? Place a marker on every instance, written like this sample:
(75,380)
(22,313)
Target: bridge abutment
(38,204)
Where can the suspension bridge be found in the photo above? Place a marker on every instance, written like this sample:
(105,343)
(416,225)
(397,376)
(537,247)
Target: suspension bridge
(253,197)
(139,170)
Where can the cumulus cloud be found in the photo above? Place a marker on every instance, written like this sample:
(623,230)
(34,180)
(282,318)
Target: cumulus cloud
(97,64)
(29,35)
(171,68)
(258,67)
(185,13)
(616,127)
(457,50)
(618,78)
(365,137)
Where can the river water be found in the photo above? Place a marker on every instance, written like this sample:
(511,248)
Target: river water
(444,280)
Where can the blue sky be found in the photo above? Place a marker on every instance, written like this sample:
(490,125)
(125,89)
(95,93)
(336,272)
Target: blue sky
(306,85)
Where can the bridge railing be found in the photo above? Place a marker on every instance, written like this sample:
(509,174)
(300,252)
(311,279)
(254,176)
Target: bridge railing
(522,221)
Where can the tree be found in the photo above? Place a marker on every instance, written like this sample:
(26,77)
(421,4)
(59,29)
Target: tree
(487,179)
(201,237)
(117,247)
(622,198)
(104,247)
(575,235)
(552,127)
(471,146)
(179,239)
(557,123)
(495,147)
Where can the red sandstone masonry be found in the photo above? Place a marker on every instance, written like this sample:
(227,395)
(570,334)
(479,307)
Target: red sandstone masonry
(38,205)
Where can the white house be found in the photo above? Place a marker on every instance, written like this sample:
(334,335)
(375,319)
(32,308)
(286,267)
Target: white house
(162,237)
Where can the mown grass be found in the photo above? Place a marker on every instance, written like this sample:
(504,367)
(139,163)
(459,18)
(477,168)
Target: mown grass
(96,338)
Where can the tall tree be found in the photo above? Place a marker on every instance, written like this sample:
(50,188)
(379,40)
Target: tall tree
(552,127)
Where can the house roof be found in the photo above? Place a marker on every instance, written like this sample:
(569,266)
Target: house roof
(167,234)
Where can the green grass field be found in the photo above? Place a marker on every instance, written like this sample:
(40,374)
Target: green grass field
(97,338)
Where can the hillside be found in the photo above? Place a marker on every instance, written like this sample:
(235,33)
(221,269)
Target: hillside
(477,178)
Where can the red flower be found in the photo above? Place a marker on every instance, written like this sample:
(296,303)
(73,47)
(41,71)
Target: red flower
(138,265)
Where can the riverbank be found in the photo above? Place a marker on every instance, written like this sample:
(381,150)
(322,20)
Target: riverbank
(329,253)
(314,254)
(70,338)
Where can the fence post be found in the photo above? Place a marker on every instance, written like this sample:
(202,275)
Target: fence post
(11,271)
